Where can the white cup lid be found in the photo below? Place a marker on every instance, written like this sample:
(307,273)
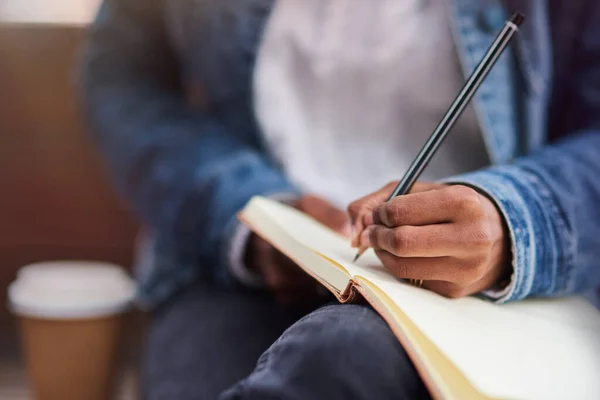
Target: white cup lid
(71,289)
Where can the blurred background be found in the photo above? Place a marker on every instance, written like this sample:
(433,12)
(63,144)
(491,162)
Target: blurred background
(55,201)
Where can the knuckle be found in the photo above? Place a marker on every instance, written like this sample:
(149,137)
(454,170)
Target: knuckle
(380,214)
(462,191)
(471,205)
(455,192)
(395,213)
(466,199)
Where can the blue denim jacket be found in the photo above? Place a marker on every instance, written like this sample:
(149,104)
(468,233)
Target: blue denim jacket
(187,167)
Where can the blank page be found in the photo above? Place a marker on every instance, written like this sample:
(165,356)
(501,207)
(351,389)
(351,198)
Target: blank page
(533,349)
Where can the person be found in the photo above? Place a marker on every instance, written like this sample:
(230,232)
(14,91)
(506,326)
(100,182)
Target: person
(200,105)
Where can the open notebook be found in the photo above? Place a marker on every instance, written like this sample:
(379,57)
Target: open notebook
(465,348)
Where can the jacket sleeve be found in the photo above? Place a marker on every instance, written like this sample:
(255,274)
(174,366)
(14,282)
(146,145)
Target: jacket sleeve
(184,173)
(551,199)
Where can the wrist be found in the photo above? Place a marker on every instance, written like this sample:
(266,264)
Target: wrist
(505,267)
(501,268)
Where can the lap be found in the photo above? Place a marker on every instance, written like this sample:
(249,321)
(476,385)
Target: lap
(337,352)
(206,339)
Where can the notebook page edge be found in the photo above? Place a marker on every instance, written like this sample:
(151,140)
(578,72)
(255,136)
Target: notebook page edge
(433,366)
(328,274)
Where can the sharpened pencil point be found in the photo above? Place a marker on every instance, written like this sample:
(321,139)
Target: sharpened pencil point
(360,252)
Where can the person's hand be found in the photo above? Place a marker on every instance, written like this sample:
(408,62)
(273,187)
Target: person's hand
(450,236)
(291,286)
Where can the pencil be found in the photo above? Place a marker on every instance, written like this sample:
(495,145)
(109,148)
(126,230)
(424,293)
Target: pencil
(456,108)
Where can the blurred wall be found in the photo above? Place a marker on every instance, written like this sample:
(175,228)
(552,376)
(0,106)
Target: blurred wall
(72,12)
(55,200)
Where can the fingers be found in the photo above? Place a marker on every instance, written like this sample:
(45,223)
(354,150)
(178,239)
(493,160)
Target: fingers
(446,204)
(364,206)
(451,237)
(361,210)
(418,241)
(448,269)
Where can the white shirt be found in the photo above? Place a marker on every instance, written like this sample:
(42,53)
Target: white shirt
(348,91)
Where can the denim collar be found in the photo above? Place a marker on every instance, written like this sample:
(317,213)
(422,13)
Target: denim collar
(518,75)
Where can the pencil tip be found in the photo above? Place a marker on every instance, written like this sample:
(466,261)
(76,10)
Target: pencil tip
(356,257)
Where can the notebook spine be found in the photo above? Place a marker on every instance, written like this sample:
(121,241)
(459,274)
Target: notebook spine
(350,294)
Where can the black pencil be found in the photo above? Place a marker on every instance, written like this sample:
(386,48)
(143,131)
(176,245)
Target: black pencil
(456,108)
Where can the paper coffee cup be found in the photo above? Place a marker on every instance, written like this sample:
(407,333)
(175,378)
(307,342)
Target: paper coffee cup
(71,314)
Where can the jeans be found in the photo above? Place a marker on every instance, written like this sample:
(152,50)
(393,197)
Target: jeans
(206,339)
(337,352)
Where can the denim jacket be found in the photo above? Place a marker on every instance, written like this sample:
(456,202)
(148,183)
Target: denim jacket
(167,88)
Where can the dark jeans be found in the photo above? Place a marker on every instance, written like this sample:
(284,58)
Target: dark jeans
(206,339)
(209,338)
(337,352)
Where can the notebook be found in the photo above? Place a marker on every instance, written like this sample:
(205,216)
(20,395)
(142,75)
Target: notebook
(465,348)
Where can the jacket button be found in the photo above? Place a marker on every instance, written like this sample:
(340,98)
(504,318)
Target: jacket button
(491,19)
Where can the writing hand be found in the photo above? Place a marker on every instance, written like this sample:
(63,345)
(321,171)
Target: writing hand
(451,236)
